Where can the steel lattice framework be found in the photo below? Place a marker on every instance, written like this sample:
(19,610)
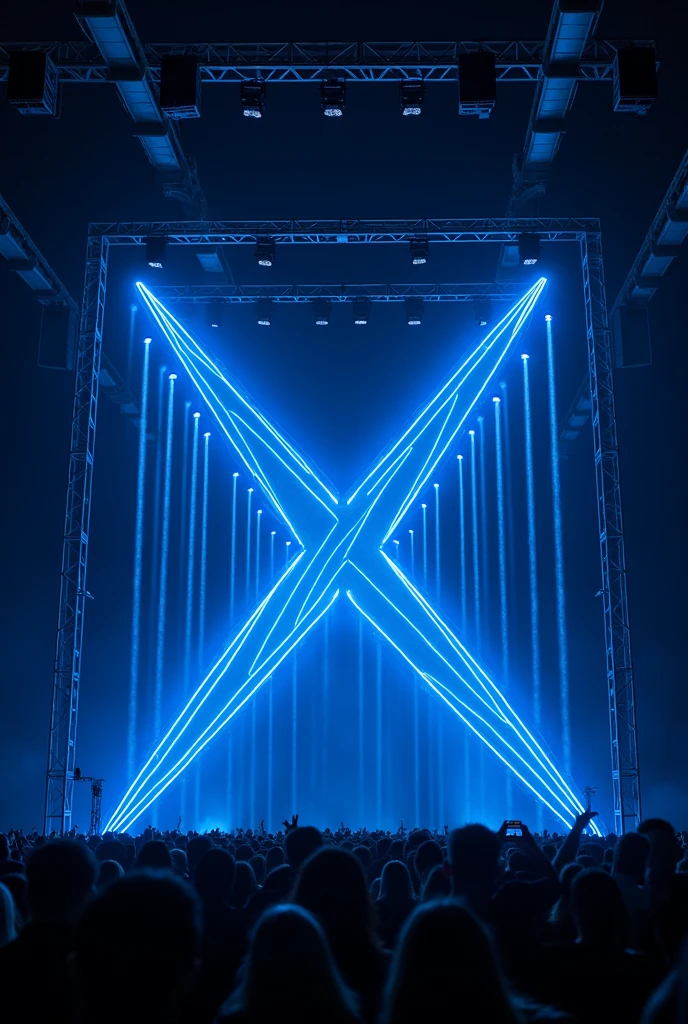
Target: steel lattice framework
(197,294)
(584,232)
(516,60)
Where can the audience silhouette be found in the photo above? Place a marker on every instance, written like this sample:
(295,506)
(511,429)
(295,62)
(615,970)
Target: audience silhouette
(346,926)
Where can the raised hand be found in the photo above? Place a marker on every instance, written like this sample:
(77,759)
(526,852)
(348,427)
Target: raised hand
(294,823)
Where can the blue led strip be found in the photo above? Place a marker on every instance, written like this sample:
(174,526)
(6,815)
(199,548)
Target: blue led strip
(340,550)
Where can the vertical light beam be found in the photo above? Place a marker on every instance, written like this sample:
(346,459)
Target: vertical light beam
(476,576)
(155,545)
(476,548)
(183,508)
(232,557)
(361,763)
(259,516)
(254,762)
(462,544)
(437,541)
(558,553)
(326,700)
(164,562)
(204,556)
(501,546)
(133,309)
(294,731)
(508,488)
(232,591)
(378,723)
(138,563)
(248,544)
(462,555)
(188,627)
(425,544)
(484,552)
(532,547)
(413,554)
(202,606)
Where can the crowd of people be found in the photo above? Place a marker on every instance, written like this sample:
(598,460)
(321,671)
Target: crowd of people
(345,926)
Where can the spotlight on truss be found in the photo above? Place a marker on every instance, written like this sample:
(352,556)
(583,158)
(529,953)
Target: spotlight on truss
(361,311)
(216,312)
(321,310)
(528,249)
(482,310)
(419,250)
(264,311)
(411,96)
(253,98)
(414,311)
(265,252)
(333,96)
(156,251)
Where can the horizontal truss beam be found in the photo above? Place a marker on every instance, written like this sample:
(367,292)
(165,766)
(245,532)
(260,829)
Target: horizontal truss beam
(516,60)
(218,232)
(198,294)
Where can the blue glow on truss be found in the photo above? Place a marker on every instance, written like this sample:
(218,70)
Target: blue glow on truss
(341,551)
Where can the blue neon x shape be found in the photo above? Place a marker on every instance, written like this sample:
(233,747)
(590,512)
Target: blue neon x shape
(341,551)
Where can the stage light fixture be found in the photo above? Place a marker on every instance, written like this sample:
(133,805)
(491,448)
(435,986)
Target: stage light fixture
(477,83)
(528,249)
(156,251)
(419,250)
(333,96)
(321,310)
(216,312)
(253,98)
(264,311)
(265,252)
(482,310)
(411,96)
(361,312)
(414,311)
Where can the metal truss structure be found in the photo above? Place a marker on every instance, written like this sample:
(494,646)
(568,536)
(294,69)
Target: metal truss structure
(583,232)
(113,53)
(330,232)
(299,62)
(198,294)
(96,803)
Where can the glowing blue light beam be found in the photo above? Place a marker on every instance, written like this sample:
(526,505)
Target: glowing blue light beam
(532,545)
(462,544)
(138,563)
(501,533)
(164,561)
(558,553)
(341,543)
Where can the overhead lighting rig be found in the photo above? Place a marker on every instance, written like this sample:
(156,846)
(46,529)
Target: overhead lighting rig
(265,252)
(419,250)
(333,97)
(528,249)
(264,312)
(322,313)
(156,251)
(414,311)
(412,96)
(361,312)
(253,98)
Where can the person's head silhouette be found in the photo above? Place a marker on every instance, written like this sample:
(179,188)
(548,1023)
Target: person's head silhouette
(289,971)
